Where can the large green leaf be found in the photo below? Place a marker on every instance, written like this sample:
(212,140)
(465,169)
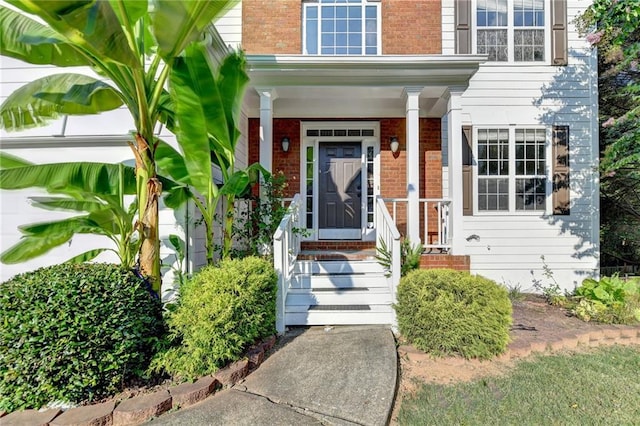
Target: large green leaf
(96,178)
(66,204)
(88,255)
(8,161)
(30,247)
(196,102)
(47,98)
(134,9)
(171,163)
(178,23)
(76,224)
(91,25)
(232,82)
(30,41)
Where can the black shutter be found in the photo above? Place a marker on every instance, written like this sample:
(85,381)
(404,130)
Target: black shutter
(463,26)
(467,175)
(559,52)
(560,164)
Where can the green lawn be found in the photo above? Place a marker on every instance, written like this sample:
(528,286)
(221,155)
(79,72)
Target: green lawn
(596,388)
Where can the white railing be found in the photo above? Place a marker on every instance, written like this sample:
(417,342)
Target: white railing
(389,239)
(433,236)
(286,246)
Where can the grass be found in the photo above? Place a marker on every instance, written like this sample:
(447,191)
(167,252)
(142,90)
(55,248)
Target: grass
(600,387)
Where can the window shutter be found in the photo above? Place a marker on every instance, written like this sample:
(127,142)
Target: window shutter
(463,26)
(559,32)
(560,158)
(467,175)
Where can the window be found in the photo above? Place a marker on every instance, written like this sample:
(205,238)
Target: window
(511,30)
(511,169)
(341,27)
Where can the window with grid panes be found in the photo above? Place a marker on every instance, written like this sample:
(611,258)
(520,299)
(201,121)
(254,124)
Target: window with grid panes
(511,30)
(511,169)
(341,27)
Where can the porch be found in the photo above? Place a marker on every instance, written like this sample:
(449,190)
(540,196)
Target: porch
(351,282)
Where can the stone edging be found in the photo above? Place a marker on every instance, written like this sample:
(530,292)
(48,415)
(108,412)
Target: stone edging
(139,409)
(605,336)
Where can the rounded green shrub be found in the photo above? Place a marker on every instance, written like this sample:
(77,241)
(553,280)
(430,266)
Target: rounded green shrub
(220,312)
(73,332)
(446,312)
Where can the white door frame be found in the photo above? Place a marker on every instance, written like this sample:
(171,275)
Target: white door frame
(369,142)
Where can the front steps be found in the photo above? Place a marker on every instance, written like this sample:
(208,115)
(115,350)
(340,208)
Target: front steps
(338,291)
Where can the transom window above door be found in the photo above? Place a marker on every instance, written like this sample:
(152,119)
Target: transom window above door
(511,30)
(341,27)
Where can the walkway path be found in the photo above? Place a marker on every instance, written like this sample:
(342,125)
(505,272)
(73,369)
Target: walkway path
(339,375)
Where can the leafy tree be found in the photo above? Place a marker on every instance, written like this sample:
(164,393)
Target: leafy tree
(136,44)
(612,27)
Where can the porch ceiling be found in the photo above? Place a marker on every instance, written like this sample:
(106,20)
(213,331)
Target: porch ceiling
(364,86)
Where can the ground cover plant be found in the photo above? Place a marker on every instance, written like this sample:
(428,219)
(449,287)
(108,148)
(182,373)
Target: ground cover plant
(220,312)
(609,300)
(600,387)
(73,333)
(446,312)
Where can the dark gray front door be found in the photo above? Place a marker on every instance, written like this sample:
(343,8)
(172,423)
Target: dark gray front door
(340,191)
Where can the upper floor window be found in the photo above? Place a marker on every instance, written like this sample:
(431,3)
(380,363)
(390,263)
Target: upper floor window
(341,27)
(511,30)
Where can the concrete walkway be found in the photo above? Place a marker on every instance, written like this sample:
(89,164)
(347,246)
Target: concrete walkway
(341,375)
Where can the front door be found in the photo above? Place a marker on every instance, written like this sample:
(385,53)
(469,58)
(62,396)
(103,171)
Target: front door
(340,191)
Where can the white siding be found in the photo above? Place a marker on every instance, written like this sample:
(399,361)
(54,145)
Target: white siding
(230,26)
(509,247)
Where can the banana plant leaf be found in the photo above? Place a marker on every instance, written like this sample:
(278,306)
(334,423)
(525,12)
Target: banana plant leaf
(23,38)
(92,25)
(41,100)
(8,161)
(188,19)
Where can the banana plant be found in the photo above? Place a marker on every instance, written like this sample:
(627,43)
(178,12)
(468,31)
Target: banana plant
(97,190)
(132,43)
(206,107)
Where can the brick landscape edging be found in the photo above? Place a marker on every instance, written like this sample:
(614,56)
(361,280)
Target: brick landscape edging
(141,408)
(611,335)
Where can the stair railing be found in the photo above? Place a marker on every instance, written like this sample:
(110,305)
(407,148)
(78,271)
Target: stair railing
(389,236)
(286,246)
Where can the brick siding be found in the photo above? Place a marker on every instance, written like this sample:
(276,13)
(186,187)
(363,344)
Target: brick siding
(440,261)
(409,27)
(272,26)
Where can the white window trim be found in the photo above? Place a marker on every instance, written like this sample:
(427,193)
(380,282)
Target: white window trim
(307,3)
(512,173)
(510,37)
(368,234)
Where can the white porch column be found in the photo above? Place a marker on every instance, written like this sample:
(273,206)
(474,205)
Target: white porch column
(412,95)
(267,96)
(454,109)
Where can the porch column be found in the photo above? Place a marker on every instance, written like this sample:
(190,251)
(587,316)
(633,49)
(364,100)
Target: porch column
(454,146)
(267,96)
(412,95)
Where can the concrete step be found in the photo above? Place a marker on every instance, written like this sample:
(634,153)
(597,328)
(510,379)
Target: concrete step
(346,296)
(341,315)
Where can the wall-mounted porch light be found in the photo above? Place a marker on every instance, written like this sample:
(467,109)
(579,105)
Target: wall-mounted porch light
(394,144)
(285,144)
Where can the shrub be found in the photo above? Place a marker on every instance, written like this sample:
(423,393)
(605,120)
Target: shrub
(447,312)
(610,300)
(220,311)
(73,332)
